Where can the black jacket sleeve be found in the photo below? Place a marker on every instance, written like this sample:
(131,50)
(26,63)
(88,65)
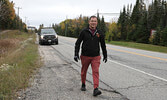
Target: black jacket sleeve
(77,44)
(103,45)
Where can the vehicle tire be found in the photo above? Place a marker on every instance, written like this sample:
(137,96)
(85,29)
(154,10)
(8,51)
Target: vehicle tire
(57,43)
(40,43)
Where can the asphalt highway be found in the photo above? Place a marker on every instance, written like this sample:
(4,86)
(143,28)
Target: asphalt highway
(136,74)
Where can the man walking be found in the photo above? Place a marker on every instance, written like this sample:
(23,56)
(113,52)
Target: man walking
(91,38)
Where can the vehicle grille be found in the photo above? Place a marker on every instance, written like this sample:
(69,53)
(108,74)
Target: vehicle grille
(49,37)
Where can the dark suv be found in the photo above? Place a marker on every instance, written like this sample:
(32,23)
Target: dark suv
(48,35)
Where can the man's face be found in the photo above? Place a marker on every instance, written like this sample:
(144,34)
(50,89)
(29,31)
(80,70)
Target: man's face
(93,23)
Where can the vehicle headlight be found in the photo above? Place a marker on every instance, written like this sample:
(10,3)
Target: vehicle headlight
(42,36)
(56,36)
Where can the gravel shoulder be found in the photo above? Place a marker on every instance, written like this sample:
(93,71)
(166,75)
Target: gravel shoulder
(58,80)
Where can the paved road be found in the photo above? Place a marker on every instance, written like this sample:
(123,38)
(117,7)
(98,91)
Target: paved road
(59,80)
(136,74)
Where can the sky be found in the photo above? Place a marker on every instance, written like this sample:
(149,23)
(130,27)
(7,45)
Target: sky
(36,12)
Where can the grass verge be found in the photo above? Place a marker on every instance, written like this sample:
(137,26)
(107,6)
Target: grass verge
(18,64)
(148,47)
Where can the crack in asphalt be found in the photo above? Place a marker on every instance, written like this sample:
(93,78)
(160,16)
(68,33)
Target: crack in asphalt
(59,79)
(154,68)
(142,85)
(72,62)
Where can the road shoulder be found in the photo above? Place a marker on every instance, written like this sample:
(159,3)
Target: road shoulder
(57,79)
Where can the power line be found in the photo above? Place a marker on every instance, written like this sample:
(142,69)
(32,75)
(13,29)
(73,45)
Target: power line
(25,19)
(18,8)
(18,17)
(110,14)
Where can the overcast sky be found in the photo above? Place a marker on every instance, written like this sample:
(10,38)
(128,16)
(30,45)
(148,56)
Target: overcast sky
(55,11)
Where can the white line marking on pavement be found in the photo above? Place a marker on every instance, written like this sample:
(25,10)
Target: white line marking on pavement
(139,71)
(131,68)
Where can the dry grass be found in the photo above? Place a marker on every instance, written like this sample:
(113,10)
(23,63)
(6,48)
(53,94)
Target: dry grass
(7,45)
(18,62)
(10,41)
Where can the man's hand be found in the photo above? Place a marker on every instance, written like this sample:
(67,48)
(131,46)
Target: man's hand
(76,58)
(105,60)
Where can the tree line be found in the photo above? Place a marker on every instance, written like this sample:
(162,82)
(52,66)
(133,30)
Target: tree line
(8,18)
(141,24)
(72,27)
(137,24)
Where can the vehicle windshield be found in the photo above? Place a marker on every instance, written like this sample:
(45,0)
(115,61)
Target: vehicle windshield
(48,31)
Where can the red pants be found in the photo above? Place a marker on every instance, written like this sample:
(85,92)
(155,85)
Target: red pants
(95,63)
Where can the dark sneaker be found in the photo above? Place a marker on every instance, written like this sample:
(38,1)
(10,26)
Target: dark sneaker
(96,92)
(83,88)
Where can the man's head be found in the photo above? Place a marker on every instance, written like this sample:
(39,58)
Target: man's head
(93,22)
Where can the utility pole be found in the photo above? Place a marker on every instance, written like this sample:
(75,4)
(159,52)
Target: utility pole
(18,8)
(66,27)
(25,19)
(97,12)
(107,14)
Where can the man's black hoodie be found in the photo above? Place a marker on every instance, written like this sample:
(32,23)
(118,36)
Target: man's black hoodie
(91,43)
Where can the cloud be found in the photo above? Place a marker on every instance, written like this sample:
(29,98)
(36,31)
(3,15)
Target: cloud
(55,11)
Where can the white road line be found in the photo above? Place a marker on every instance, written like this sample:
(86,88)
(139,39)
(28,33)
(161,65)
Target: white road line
(139,71)
(131,68)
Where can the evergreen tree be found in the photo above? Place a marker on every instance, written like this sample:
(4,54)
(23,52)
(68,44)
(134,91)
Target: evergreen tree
(156,14)
(156,39)
(122,23)
(164,37)
(120,18)
(134,19)
(57,28)
(130,28)
(141,21)
(163,18)
(99,22)
(136,13)
(103,25)
(128,25)
(142,34)
(40,27)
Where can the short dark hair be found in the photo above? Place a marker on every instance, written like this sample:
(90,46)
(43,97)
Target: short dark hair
(92,17)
